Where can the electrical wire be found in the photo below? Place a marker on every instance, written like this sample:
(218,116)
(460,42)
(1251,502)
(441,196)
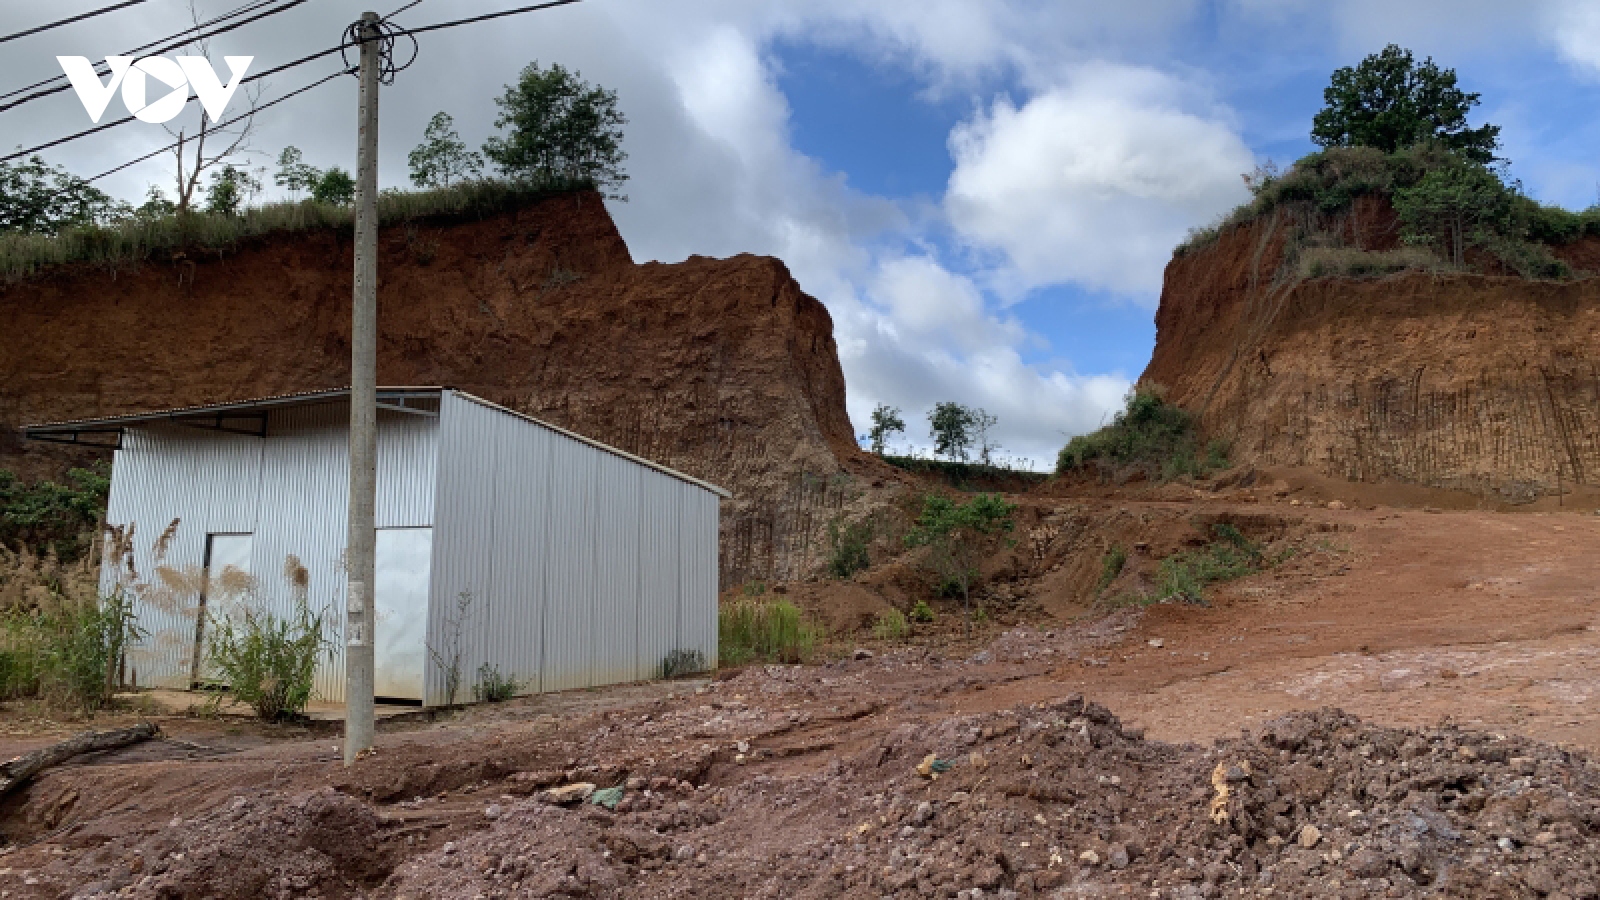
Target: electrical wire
(239,11)
(288,5)
(68,21)
(219,126)
(400,10)
(387,36)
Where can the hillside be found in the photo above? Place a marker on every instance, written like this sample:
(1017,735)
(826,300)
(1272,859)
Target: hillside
(1485,383)
(724,369)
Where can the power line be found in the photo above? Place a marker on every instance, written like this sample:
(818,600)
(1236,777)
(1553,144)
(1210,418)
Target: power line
(239,11)
(289,4)
(126,119)
(221,125)
(390,32)
(69,20)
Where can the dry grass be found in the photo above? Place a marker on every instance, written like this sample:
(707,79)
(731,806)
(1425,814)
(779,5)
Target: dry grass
(1316,262)
(138,239)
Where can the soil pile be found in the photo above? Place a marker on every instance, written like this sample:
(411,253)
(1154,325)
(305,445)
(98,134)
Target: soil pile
(849,780)
(1483,383)
(724,369)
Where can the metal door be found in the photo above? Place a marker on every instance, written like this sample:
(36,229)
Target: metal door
(226,587)
(404,559)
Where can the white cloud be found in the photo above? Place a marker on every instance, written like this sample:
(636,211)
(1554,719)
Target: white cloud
(1094,181)
(1575,27)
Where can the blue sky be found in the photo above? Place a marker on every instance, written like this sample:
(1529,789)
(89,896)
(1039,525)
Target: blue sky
(983,192)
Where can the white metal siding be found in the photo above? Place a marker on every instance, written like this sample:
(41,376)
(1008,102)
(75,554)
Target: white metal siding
(583,563)
(289,489)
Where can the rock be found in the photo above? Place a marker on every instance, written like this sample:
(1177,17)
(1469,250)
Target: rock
(862,653)
(1089,858)
(1337,504)
(1117,857)
(1309,836)
(922,814)
(1506,845)
(492,811)
(1368,863)
(570,793)
(684,853)
(1157,643)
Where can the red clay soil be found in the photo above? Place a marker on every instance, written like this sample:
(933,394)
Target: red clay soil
(1485,384)
(724,369)
(1465,641)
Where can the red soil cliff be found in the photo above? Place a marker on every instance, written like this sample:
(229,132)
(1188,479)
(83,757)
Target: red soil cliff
(1489,384)
(724,369)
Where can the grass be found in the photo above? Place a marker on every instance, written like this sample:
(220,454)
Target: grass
(268,662)
(1185,576)
(683,661)
(1349,262)
(921,612)
(966,476)
(138,239)
(891,625)
(492,687)
(1111,566)
(1149,435)
(751,629)
(848,548)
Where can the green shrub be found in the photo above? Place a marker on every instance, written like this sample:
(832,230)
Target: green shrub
(269,663)
(847,548)
(1147,434)
(1185,576)
(49,517)
(1111,566)
(921,612)
(683,661)
(69,653)
(891,625)
(769,630)
(492,687)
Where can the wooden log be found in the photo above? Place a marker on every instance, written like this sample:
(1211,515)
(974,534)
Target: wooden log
(16,772)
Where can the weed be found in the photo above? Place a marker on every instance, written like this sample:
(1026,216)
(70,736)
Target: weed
(847,548)
(683,661)
(492,687)
(921,612)
(448,658)
(771,630)
(1185,576)
(891,625)
(269,663)
(754,588)
(1111,566)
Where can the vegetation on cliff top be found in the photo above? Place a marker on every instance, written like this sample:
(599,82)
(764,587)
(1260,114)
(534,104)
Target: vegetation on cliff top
(1396,130)
(1149,436)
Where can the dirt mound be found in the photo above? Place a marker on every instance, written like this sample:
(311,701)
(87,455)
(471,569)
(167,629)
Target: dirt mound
(1478,383)
(724,369)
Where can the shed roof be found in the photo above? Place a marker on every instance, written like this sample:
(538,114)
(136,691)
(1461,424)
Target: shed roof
(218,415)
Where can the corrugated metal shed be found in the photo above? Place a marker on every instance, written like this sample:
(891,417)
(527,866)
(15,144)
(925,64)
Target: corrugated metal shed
(581,564)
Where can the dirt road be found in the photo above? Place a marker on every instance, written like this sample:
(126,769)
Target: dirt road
(1465,640)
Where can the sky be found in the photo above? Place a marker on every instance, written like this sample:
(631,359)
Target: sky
(984,193)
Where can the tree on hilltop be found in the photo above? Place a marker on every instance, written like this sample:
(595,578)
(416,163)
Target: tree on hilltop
(558,129)
(1390,102)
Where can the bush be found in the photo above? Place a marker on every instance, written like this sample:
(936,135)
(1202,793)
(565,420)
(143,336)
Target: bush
(47,517)
(1349,262)
(69,654)
(891,625)
(492,687)
(921,612)
(269,663)
(769,630)
(847,548)
(1148,434)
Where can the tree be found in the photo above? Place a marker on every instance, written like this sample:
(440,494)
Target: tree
(558,129)
(1456,206)
(230,190)
(43,199)
(951,430)
(983,435)
(335,187)
(442,157)
(294,174)
(885,421)
(1389,102)
(155,205)
(957,534)
(233,140)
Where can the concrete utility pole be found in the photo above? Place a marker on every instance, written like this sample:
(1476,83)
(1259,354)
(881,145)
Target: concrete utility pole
(359,721)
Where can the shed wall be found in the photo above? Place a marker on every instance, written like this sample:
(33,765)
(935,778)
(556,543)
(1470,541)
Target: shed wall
(584,567)
(289,489)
